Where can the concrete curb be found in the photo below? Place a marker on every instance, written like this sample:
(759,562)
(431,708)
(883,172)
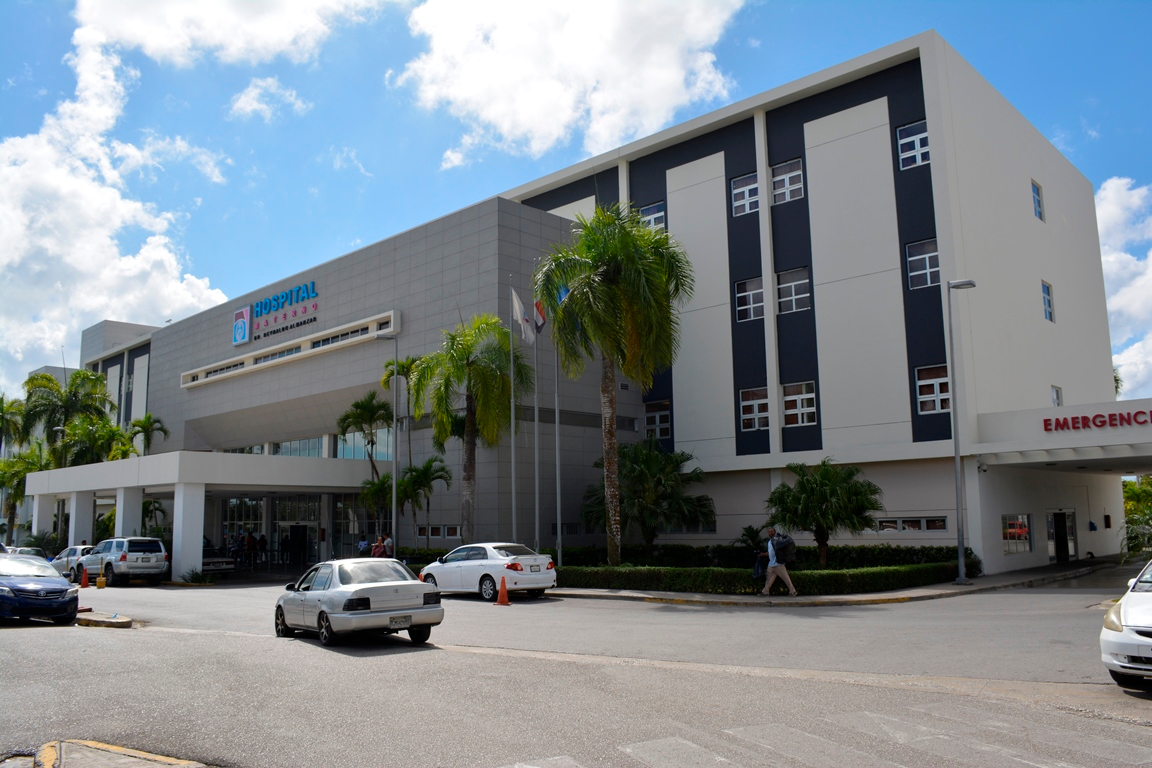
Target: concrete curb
(76,752)
(113,621)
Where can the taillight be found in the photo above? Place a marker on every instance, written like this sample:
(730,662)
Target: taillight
(165,557)
(421,576)
(551,566)
(514,566)
(124,557)
(431,598)
(357,604)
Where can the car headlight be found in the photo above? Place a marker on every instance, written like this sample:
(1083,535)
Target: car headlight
(72,592)
(1112,619)
(5,592)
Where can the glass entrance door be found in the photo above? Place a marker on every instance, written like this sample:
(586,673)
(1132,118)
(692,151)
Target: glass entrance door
(1062,535)
(298,544)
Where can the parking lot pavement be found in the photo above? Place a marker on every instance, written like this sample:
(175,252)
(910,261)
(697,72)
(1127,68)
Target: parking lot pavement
(92,754)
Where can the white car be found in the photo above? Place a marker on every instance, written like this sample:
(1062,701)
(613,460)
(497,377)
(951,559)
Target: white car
(67,563)
(361,593)
(480,567)
(1126,639)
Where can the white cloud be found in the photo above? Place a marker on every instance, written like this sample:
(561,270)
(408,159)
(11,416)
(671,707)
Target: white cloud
(1124,215)
(524,75)
(346,158)
(263,97)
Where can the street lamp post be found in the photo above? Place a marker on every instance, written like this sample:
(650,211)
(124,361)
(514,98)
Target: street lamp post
(955,285)
(395,386)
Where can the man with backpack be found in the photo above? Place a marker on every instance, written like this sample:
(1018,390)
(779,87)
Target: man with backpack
(781,549)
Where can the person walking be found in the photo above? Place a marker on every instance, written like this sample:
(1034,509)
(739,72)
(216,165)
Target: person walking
(776,567)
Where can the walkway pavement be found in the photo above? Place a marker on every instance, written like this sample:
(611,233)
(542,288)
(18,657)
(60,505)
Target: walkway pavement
(89,754)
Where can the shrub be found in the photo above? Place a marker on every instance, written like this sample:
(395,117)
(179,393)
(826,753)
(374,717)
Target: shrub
(196,576)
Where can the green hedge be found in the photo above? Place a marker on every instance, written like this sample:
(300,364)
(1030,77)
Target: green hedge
(731,581)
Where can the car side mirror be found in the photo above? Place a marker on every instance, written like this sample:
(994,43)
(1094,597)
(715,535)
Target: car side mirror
(291,587)
(1131,583)
(440,559)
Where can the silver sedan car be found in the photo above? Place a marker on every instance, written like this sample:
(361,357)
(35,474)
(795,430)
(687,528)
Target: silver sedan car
(363,593)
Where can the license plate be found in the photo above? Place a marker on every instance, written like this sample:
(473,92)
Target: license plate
(399,622)
(534,568)
(145,559)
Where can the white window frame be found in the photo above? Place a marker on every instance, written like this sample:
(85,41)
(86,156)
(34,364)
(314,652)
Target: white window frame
(933,390)
(788,181)
(923,260)
(754,405)
(1038,201)
(1049,301)
(658,423)
(745,194)
(799,404)
(912,144)
(749,299)
(655,215)
(796,295)
(1057,397)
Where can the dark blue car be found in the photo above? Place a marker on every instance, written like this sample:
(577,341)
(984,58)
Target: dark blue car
(31,588)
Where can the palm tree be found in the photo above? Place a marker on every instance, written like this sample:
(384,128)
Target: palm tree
(423,478)
(471,369)
(366,416)
(403,369)
(151,511)
(11,423)
(49,405)
(615,291)
(93,439)
(653,494)
(147,427)
(378,493)
(825,499)
(1117,380)
(14,471)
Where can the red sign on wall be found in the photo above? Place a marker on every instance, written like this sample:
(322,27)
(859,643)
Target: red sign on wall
(1098,421)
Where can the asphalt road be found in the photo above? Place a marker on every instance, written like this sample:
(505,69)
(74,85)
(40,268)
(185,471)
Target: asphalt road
(1006,678)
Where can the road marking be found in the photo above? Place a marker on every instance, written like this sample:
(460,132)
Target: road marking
(674,752)
(815,750)
(951,745)
(1096,746)
(552,762)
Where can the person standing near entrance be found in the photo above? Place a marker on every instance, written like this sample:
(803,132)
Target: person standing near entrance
(378,547)
(362,547)
(777,545)
(389,549)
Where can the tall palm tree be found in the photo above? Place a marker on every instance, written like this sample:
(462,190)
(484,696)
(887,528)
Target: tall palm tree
(471,370)
(423,478)
(93,439)
(49,405)
(825,499)
(653,492)
(11,423)
(151,511)
(615,291)
(367,415)
(147,428)
(13,472)
(403,369)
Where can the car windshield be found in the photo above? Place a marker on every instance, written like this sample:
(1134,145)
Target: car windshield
(513,550)
(375,572)
(1144,580)
(144,545)
(19,566)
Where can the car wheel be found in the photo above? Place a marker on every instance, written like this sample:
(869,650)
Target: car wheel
(74,576)
(109,576)
(62,620)
(488,589)
(420,634)
(535,594)
(327,636)
(430,579)
(1135,682)
(282,628)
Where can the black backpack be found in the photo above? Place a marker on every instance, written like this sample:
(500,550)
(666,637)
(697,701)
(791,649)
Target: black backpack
(785,548)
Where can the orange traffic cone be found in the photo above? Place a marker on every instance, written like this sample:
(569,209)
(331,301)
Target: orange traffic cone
(502,598)
(83,578)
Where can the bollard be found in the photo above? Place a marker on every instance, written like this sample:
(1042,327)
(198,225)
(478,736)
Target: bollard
(100,581)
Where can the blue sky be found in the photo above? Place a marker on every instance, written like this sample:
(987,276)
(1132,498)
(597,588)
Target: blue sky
(160,156)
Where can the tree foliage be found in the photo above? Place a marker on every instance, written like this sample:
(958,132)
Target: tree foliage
(825,499)
(366,416)
(146,428)
(423,479)
(48,404)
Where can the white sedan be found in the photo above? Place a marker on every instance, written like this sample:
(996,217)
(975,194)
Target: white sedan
(364,593)
(1126,639)
(480,567)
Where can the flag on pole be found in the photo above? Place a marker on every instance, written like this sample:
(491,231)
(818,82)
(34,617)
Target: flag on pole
(539,318)
(527,330)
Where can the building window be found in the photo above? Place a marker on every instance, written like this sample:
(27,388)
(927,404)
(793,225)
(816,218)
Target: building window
(745,195)
(309,446)
(1016,531)
(276,355)
(353,446)
(923,264)
(787,182)
(1057,397)
(912,141)
(658,420)
(451,531)
(1049,307)
(793,290)
(253,449)
(932,389)
(569,529)
(912,524)
(653,216)
(800,404)
(353,334)
(224,369)
(1037,201)
(750,299)
(753,409)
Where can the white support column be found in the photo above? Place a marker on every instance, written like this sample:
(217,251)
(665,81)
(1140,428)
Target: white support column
(43,507)
(82,511)
(128,503)
(188,529)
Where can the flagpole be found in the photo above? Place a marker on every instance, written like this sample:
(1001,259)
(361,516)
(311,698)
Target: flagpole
(512,388)
(559,525)
(536,432)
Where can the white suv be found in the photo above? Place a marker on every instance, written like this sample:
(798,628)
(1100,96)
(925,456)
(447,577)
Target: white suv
(129,558)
